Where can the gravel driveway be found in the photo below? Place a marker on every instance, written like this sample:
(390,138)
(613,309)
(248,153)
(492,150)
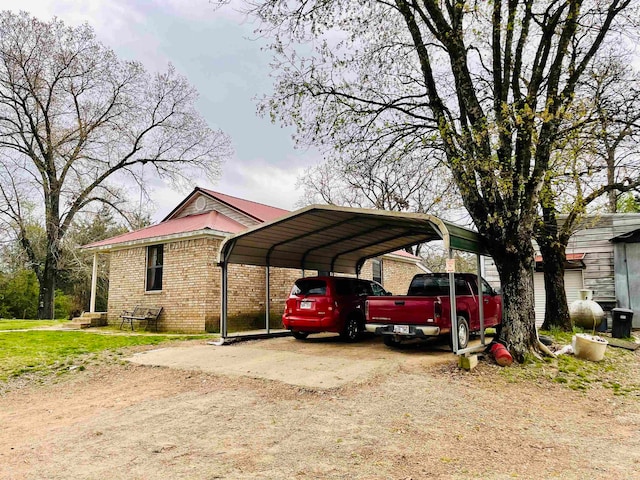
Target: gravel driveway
(409,414)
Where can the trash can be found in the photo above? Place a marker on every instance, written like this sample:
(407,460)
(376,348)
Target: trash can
(621,322)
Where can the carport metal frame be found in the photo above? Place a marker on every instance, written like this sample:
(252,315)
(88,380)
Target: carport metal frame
(340,240)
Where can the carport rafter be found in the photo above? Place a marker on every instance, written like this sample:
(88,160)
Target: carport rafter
(361,260)
(306,234)
(356,235)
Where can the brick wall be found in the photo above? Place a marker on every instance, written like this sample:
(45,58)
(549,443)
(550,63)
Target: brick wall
(190,294)
(191,287)
(247,295)
(396,273)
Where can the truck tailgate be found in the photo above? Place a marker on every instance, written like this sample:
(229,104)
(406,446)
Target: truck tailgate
(409,310)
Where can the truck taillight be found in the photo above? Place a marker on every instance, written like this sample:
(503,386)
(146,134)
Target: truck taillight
(437,310)
(366,309)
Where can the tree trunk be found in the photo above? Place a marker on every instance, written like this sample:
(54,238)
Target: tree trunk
(46,296)
(612,195)
(556,313)
(54,235)
(518,318)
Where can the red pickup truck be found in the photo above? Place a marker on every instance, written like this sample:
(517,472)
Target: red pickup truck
(425,312)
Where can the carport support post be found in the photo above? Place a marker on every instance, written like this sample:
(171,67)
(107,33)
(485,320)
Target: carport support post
(480,298)
(223,313)
(267,302)
(452,301)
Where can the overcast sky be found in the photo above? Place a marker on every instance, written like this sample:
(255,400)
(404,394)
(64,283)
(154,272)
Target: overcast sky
(214,49)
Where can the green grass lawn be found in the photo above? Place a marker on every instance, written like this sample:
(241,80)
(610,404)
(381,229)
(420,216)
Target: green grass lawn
(27,324)
(49,350)
(618,371)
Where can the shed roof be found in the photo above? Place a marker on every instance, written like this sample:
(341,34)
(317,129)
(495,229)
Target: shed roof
(340,239)
(630,237)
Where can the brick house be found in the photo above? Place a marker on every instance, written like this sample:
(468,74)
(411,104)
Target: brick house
(174,264)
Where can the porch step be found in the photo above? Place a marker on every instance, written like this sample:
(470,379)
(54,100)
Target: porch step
(87,319)
(77,324)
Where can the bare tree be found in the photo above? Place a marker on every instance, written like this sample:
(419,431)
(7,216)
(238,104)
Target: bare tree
(396,184)
(599,160)
(75,121)
(493,82)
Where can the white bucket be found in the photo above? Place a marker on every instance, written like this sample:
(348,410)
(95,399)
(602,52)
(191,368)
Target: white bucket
(589,347)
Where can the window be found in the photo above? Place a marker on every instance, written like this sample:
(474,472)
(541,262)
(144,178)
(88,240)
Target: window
(437,285)
(309,287)
(462,287)
(378,291)
(428,285)
(344,286)
(376,266)
(363,288)
(487,289)
(154,267)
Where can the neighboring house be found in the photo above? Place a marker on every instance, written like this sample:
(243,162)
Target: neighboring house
(603,255)
(174,264)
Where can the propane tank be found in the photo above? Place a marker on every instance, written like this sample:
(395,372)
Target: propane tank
(585,312)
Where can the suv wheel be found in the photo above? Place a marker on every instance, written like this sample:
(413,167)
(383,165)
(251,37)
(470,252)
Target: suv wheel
(351,330)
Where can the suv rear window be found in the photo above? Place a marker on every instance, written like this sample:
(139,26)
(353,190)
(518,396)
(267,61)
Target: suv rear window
(309,287)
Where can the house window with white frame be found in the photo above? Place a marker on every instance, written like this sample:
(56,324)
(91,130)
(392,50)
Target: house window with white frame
(376,265)
(155,254)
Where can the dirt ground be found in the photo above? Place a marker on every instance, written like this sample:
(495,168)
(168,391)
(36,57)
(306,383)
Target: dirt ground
(371,413)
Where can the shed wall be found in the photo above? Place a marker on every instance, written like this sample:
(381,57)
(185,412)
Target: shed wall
(592,239)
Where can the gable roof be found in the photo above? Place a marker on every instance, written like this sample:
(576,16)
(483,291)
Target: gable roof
(258,211)
(209,222)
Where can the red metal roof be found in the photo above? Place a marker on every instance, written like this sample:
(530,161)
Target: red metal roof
(205,221)
(404,253)
(570,257)
(259,211)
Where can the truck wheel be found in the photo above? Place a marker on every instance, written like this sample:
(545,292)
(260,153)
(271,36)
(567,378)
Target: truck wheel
(299,335)
(351,330)
(390,341)
(463,334)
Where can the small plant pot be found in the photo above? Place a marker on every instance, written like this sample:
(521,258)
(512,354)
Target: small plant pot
(589,347)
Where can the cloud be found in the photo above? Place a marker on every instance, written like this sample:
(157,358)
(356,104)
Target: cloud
(215,49)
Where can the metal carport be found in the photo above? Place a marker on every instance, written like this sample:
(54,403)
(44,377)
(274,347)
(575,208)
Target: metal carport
(340,240)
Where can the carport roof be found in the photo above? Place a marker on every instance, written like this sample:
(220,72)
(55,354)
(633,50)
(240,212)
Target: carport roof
(340,239)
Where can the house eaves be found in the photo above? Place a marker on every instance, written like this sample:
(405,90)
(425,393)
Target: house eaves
(175,237)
